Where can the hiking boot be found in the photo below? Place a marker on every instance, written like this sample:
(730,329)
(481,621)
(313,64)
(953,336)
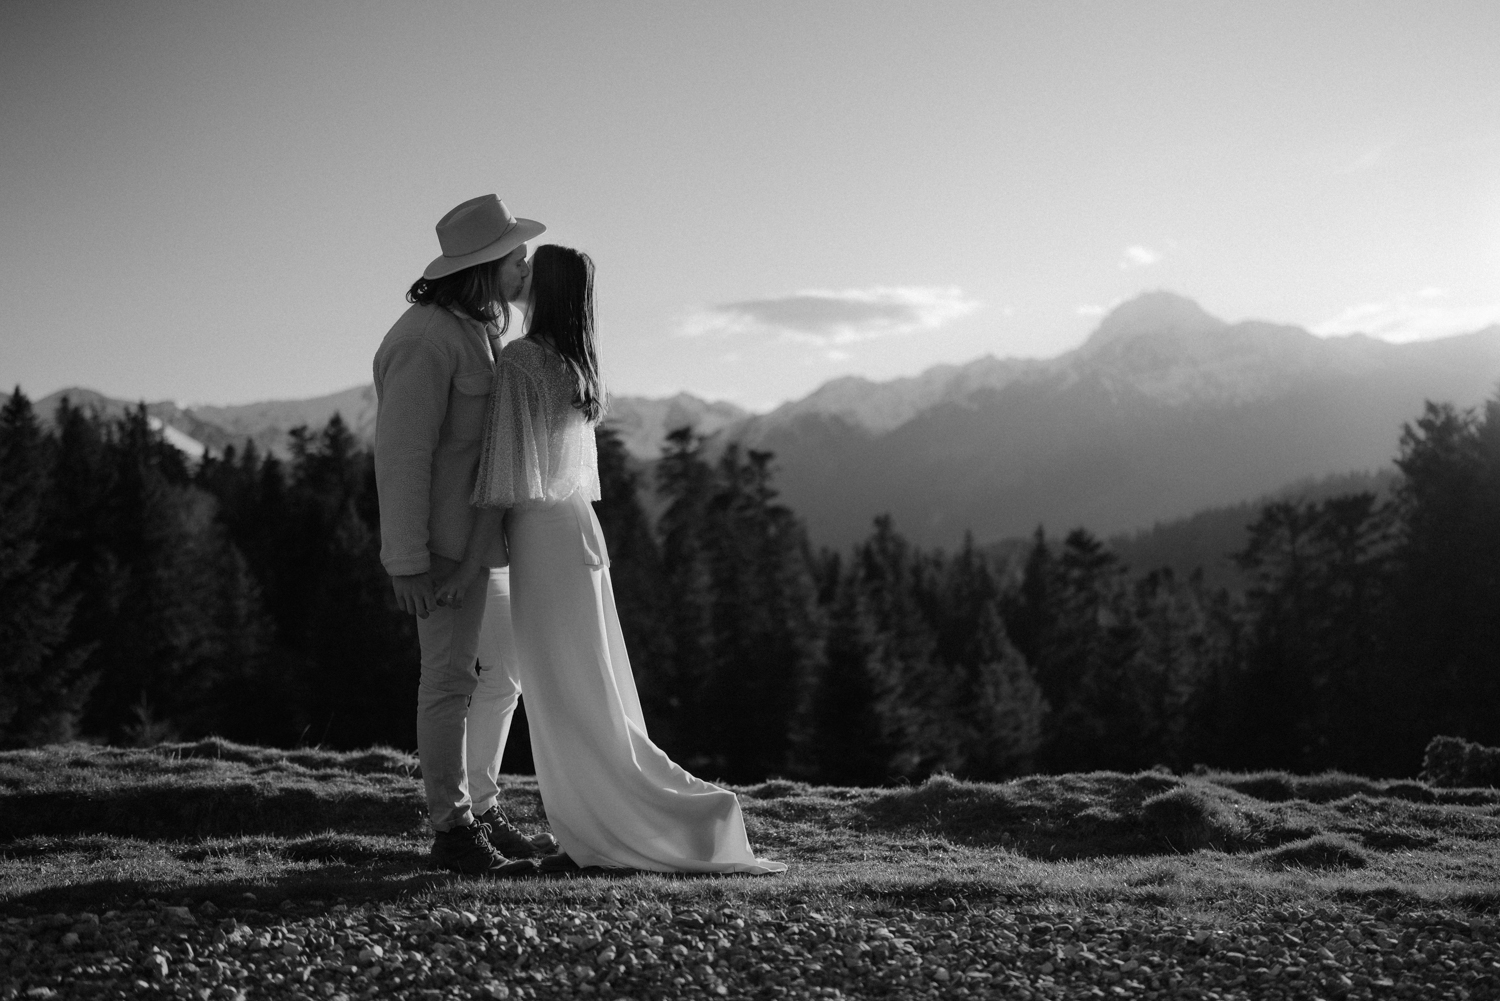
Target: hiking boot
(558,863)
(466,850)
(519,869)
(506,839)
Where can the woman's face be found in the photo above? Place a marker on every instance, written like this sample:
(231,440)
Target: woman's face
(524,298)
(515,275)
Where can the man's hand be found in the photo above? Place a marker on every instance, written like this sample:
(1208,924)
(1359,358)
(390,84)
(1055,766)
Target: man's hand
(415,594)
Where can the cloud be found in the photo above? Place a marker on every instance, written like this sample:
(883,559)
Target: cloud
(1369,159)
(1421,316)
(828,318)
(1138,256)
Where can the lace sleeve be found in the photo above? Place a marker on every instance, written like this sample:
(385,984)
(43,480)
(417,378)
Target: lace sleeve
(514,463)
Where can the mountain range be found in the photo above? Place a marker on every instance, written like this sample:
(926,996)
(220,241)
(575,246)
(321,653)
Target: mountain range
(1164,411)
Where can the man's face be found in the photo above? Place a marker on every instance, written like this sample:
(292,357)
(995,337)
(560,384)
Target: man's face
(514,272)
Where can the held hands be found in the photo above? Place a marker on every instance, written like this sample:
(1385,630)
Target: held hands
(420,594)
(444,584)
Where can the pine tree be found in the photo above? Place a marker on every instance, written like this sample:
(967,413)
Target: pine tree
(42,682)
(1444,629)
(1352,588)
(850,731)
(767,629)
(742,613)
(362,652)
(74,528)
(1184,653)
(1316,603)
(242,696)
(896,585)
(1083,657)
(728,541)
(990,697)
(684,480)
(159,642)
(1030,611)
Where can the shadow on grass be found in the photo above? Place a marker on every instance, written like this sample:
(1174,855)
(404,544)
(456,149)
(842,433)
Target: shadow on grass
(386,879)
(375,883)
(178,811)
(215,788)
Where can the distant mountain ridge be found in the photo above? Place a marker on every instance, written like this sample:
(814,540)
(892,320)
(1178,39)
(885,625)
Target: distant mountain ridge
(1164,411)
(196,428)
(643,423)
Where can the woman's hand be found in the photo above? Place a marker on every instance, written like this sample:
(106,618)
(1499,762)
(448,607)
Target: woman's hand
(450,587)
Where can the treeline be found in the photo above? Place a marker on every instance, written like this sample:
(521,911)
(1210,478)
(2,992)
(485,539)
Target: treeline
(143,596)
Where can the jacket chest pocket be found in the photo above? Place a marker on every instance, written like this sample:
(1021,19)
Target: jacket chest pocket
(466,403)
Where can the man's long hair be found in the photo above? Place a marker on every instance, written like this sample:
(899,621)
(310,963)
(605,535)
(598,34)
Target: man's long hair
(474,291)
(562,311)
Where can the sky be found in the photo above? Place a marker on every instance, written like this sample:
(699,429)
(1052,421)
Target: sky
(225,202)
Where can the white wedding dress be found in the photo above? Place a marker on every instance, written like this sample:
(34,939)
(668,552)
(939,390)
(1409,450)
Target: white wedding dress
(612,797)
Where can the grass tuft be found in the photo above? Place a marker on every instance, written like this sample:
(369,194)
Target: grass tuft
(1322,851)
(372,761)
(974,813)
(1191,817)
(777,789)
(1273,787)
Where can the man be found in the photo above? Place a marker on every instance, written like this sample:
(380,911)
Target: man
(433,374)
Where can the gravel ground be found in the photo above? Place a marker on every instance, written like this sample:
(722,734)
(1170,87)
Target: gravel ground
(624,948)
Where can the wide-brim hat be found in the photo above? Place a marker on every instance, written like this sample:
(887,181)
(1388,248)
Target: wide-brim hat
(479,230)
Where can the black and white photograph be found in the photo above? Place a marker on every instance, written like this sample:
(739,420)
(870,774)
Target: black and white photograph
(768,500)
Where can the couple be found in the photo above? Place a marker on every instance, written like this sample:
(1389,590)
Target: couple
(485,457)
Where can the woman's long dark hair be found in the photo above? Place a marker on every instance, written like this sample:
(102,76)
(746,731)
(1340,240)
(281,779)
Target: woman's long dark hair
(562,312)
(474,291)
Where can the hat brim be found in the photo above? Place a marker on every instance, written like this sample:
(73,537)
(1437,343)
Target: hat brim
(523,230)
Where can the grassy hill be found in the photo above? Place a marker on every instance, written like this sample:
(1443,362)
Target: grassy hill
(217,870)
(1206,540)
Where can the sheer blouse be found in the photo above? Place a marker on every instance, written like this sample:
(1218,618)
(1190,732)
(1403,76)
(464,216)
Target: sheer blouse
(538,448)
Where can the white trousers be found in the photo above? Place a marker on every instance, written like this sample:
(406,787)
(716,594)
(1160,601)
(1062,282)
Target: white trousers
(493,703)
(465,700)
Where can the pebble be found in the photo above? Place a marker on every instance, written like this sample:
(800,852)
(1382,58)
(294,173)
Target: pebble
(618,949)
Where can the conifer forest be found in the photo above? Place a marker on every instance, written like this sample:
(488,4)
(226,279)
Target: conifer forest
(146,596)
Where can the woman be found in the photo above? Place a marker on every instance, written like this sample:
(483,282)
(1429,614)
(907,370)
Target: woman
(612,797)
